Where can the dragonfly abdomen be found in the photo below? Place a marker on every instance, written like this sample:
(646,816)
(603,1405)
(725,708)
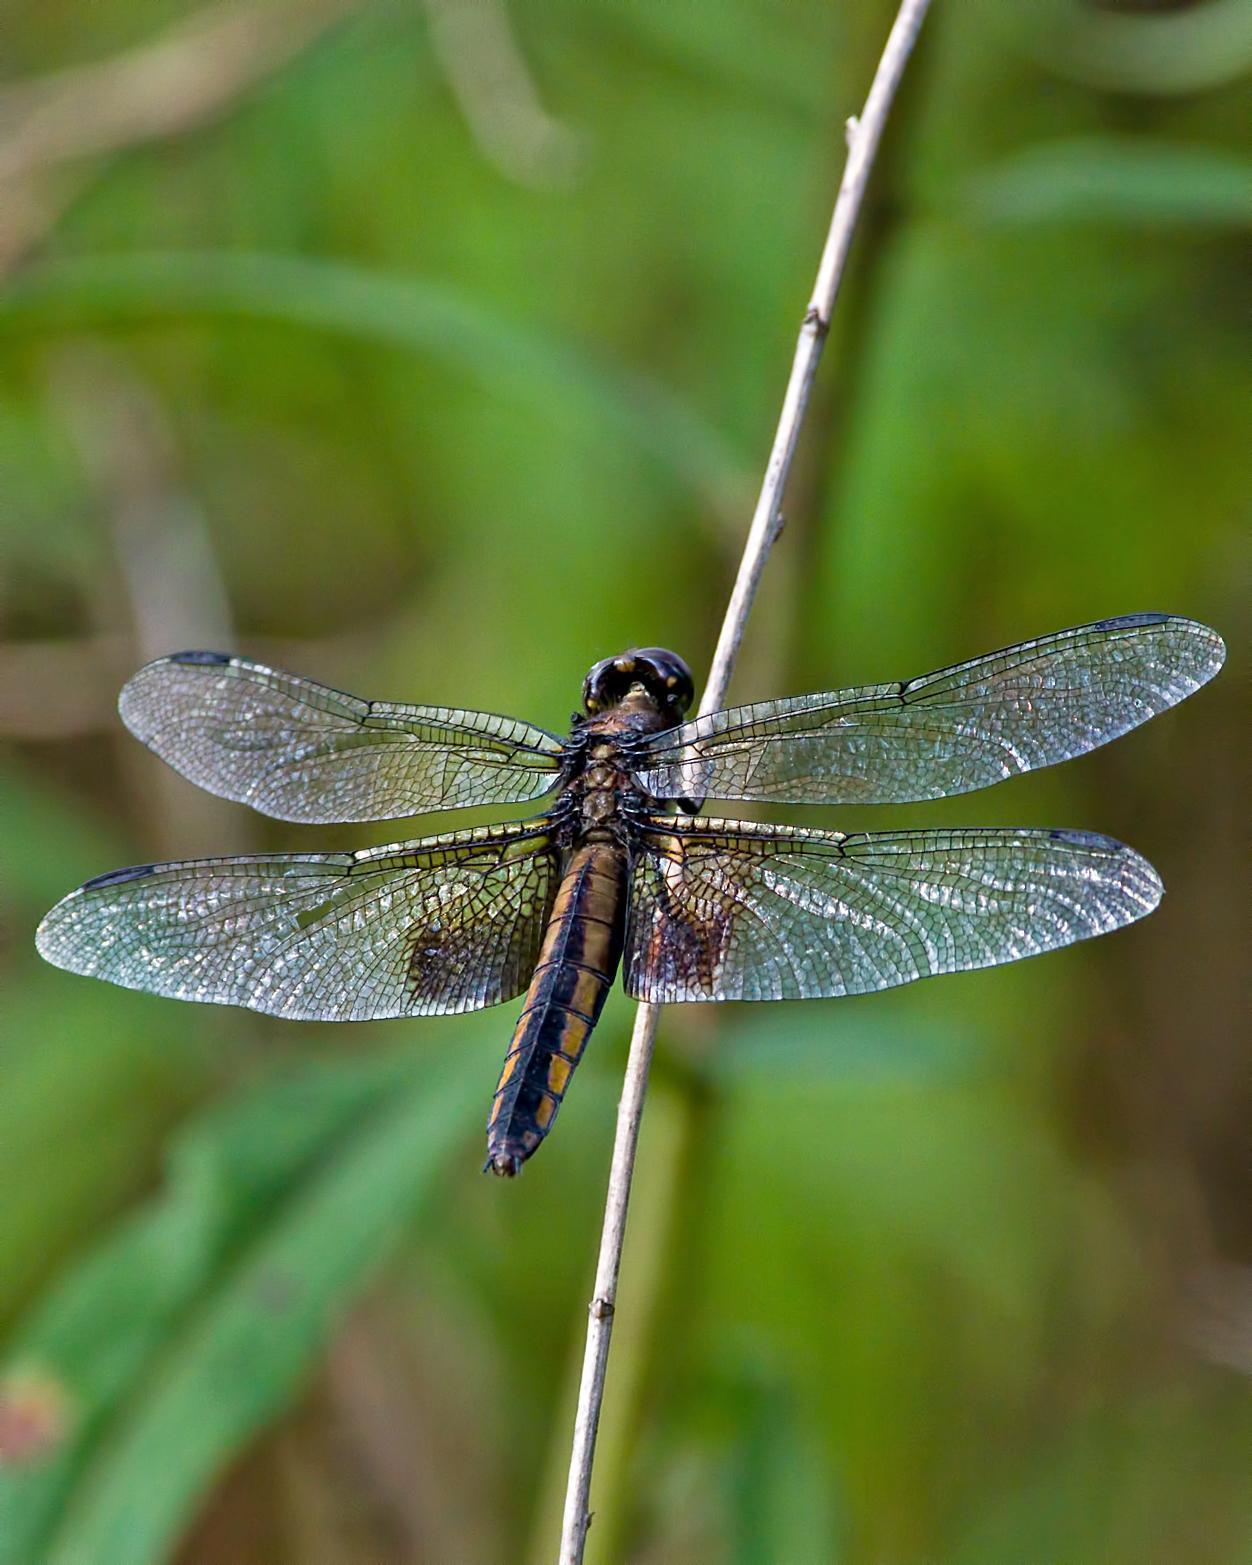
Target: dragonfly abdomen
(577,964)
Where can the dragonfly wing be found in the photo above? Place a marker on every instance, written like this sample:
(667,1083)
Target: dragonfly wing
(301,751)
(949,732)
(729,910)
(443,924)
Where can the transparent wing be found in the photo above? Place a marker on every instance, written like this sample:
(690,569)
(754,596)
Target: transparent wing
(448,923)
(304,752)
(948,732)
(728,910)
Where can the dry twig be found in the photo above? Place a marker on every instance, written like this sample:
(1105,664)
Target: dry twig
(863,136)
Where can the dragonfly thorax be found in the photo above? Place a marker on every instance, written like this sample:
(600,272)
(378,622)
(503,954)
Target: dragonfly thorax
(599,790)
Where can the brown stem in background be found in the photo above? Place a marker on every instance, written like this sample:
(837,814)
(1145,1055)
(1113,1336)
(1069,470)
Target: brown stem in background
(158,89)
(486,70)
(864,134)
(185,79)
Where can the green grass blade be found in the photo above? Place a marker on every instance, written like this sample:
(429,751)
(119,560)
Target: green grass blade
(408,313)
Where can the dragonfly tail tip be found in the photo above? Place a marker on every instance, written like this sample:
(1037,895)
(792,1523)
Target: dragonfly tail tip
(508,1165)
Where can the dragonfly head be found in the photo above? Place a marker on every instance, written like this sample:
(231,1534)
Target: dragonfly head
(663,676)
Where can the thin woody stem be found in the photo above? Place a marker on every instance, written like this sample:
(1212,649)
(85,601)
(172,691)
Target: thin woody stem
(863,136)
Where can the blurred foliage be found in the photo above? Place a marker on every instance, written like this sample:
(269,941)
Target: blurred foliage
(441,394)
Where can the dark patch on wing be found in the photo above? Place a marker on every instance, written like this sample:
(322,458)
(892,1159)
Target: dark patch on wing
(726,910)
(322,936)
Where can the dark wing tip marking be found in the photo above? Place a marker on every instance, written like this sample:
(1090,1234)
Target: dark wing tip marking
(115,877)
(1133,621)
(197,657)
(1133,866)
(1085,839)
(50,939)
(1175,622)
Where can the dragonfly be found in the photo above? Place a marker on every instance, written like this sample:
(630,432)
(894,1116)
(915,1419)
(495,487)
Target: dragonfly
(623,870)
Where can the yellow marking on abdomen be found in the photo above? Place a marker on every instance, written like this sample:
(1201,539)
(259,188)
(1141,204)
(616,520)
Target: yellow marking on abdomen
(581,950)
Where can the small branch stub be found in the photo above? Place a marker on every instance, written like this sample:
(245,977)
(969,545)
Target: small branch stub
(862,134)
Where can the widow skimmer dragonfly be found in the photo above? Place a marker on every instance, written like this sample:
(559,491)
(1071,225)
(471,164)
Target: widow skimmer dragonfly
(622,869)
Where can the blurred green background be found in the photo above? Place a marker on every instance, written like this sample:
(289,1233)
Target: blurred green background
(434,350)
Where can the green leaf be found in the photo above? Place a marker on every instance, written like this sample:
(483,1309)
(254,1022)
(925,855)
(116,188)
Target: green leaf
(195,1325)
(1106,179)
(414,314)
